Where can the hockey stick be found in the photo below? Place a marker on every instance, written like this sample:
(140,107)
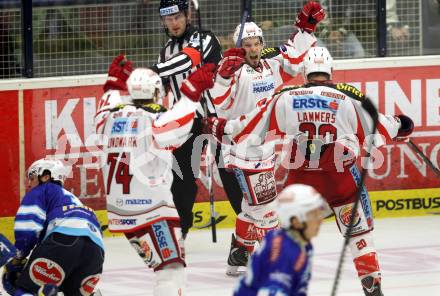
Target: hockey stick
(420,153)
(208,148)
(372,111)
(243,20)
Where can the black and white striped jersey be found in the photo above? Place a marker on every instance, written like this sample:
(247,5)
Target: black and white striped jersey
(181,56)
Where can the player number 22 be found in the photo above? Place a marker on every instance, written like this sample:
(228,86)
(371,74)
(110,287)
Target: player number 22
(120,162)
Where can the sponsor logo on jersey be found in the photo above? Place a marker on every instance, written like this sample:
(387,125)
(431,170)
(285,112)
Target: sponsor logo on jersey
(314,103)
(43,271)
(122,222)
(408,204)
(138,201)
(364,197)
(262,86)
(125,126)
(350,89)
(88,284)
(165,240)
(194,41)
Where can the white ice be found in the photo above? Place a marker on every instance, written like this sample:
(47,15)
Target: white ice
(409,254)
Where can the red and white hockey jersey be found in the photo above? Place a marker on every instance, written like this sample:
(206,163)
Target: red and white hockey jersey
(242,92)
(137,163)
(328,113)
(249,88)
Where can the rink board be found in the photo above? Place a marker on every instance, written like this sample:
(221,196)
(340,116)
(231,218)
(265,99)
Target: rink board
(54,116)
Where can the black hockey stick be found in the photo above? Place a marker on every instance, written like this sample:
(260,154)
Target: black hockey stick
(425,158)
(243,20)
(372,111)
(208,148)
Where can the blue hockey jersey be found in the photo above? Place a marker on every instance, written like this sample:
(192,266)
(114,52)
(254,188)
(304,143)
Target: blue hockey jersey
(49,208)
(281,266)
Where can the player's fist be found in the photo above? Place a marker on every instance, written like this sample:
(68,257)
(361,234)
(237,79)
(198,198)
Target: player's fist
(309,16)
(215,126)
(11,273)
(198,82)
(233,59)
(118,73)
(406,126)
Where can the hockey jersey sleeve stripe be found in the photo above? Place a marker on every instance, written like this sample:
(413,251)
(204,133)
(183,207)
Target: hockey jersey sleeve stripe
(220,99)
(382,130)
(32,210)
(173,125)
(193,54)
(28,225)
(251,125)
(293,60)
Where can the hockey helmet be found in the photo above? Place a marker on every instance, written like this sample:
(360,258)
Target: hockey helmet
(251,29)
(144,84)
(318,59)
(296,201)
(168,7)
(55,167)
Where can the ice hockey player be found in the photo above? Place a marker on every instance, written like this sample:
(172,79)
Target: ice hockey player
(244,80)
(137,140)
(282,265)
(324,126)
(178,58)
(50,223)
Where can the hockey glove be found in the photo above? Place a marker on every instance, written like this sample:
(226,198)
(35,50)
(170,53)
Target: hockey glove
(310,15)
(11,273)
(215,126)
(118,73)
(198,82)
(406,126)
(232,61)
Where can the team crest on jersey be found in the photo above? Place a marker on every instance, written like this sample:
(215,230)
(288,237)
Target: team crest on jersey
(125,126)
(345,216)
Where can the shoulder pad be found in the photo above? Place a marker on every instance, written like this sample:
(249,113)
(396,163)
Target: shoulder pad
(349,90)
(287,88)
(270,52)
(117,107)
(154,108)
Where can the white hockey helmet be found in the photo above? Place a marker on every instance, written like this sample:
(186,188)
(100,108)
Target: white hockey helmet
(318,59)
(144,84)
(251,29)
(296,201)
(58,171)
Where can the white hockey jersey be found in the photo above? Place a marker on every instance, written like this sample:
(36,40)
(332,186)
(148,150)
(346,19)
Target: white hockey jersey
(137,162)
(330,113)
(250,87)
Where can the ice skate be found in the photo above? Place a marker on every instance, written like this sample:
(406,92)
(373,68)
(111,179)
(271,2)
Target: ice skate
(237,260)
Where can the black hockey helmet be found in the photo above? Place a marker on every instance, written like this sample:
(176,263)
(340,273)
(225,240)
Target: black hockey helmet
(168,7)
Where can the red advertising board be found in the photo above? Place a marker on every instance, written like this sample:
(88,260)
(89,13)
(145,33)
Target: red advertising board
(9,143)
(60,121)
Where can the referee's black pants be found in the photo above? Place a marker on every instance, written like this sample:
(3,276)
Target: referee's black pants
(185,190)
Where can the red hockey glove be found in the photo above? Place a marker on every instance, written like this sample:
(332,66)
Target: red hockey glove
(233,59)
(215,126)
(118,73)
(406,126)
(198,82)
(310,15)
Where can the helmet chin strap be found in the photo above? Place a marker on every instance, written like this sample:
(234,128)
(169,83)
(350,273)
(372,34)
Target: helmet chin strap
(302,231)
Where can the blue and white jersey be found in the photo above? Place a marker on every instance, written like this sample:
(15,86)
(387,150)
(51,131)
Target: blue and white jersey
(50,208)
(281,266)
